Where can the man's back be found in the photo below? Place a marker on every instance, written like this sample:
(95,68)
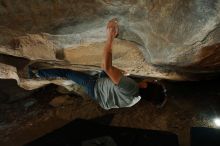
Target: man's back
(109,95)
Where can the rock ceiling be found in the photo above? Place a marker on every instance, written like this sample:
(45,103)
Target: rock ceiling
(170,39)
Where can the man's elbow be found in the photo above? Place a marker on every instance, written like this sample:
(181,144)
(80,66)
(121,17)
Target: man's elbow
(105,68)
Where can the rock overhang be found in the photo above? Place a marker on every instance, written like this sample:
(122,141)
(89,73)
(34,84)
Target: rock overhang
(173,37)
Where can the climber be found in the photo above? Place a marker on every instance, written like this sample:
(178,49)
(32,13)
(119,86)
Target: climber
(111,89)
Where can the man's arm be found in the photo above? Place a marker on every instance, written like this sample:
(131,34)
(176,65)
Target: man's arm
(114,73)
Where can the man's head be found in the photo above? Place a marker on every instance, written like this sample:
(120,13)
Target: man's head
(151,90)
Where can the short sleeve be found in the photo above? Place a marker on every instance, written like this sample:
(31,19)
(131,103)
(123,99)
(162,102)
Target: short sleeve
(128,86)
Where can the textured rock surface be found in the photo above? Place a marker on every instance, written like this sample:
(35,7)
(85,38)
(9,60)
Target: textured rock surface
(171,39)
(168,39)
(61,101)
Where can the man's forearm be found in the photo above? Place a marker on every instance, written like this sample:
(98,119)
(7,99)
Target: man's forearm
(107,54)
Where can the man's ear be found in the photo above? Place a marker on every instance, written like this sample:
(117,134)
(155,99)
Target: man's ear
(143,84)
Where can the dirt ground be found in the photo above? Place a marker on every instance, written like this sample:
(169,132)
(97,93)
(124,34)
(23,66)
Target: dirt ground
(189,104)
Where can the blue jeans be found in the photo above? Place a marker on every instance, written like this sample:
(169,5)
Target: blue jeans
(85,80)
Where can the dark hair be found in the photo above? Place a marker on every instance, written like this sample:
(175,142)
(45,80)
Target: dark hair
(153,91)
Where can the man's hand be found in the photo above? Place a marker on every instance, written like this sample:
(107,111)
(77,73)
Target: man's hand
(112,29)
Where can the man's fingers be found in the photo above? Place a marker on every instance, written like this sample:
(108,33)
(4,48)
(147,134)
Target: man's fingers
(111,25)
(115,20)
(112,22)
